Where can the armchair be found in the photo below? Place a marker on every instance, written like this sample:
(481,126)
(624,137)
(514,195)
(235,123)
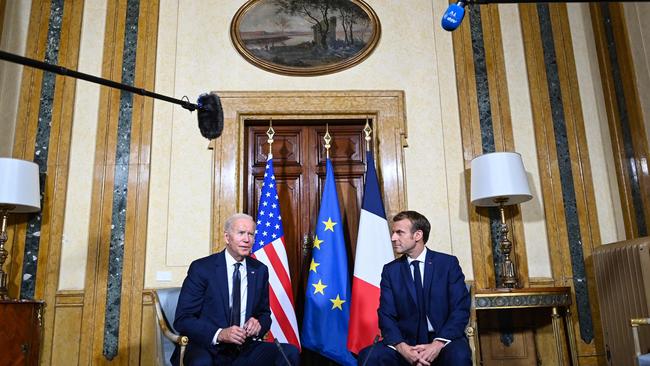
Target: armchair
(641,359)
(165,300)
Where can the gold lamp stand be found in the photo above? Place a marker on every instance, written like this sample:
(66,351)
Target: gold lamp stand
(508,276)
(4,293)
(499,180)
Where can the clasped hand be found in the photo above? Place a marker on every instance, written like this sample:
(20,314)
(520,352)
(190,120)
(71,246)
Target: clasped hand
(421,354)
(237,335)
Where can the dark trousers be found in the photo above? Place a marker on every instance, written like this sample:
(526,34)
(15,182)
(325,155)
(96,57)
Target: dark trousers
(251,353)
(456,353)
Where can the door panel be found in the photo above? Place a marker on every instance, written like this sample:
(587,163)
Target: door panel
(299,159)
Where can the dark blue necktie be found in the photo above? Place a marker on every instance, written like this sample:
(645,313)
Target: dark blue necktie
(423,331)
(235,310)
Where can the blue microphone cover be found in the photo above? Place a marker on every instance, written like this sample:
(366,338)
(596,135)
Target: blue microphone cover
(453,17)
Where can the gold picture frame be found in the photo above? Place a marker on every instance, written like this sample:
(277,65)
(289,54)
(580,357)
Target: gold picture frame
(305,37)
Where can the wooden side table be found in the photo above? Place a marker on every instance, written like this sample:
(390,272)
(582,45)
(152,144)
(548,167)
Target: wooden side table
(21,324)
(537,297)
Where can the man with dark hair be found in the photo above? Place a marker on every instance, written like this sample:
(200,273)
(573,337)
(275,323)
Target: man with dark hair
(223,306)
(423,305)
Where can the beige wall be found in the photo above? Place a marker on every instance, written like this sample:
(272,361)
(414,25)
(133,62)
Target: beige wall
(195,55)
(601,156)
(82,153)
(413,56)
(13,40)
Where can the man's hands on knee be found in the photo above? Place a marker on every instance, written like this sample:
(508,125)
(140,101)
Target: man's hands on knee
(252,327)
(237,335)
(234,334)
(429,351)
(411,354)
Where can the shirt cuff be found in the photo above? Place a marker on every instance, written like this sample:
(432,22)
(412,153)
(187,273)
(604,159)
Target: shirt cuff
(216,336)
(443,340)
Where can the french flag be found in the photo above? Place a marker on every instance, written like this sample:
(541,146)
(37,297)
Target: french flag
(374,249)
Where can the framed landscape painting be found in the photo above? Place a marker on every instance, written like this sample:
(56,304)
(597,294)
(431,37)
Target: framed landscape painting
(305,37)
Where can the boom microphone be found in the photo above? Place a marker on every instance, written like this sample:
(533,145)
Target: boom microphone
(452,18)
(210,115)
(277,343)
(372,348)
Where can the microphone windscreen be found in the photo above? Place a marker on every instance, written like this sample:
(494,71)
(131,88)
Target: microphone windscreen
(452,17)
(210,116)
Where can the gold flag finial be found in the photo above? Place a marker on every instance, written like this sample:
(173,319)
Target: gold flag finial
(368,131)
(327,138)
(270,133)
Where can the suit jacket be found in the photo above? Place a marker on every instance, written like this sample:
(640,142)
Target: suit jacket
(446,298)
(203,304)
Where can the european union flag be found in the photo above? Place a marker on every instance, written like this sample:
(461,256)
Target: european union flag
(327,303)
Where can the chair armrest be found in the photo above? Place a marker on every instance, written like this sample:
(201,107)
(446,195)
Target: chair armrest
(635,322)
(178,339)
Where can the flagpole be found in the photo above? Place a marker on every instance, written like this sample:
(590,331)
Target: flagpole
(270,133)
(327,138)
(368,131)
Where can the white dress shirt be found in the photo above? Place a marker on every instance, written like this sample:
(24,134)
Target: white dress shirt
(422,257)
(230,268)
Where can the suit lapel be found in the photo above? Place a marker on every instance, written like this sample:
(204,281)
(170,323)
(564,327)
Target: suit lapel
(429,274)
(251,275)
(222,286)
(407,277)
(428,271)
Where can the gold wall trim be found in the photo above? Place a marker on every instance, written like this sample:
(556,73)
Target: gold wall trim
(95,292)
(52,211)
(386,107)
(550,176)
(69,298)
(480,232)
(3,10)
(25,133)
(632,105)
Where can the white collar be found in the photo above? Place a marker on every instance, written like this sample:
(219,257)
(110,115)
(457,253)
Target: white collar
(420,257)
(230,260)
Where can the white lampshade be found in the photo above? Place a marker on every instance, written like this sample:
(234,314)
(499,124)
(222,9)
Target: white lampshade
(19,185)
(499,175)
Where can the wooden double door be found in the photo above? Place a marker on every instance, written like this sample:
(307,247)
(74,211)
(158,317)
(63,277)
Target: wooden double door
(299,159)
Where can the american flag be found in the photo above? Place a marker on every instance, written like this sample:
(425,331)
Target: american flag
(269,249)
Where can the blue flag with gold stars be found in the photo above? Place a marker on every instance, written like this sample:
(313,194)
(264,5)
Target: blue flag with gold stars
(327,303)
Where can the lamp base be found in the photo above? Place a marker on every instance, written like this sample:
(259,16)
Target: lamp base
(4,294)
(508,276)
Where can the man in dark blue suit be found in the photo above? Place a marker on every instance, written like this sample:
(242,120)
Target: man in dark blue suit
(223,306)
(423,303)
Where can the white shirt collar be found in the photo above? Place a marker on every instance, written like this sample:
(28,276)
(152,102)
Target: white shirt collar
(230,260)
(420,257)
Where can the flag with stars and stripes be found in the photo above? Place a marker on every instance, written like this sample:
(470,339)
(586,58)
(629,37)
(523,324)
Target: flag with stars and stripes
(269,249)
(327,298)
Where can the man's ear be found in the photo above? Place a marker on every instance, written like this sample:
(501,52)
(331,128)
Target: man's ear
(226,237)
(418,235)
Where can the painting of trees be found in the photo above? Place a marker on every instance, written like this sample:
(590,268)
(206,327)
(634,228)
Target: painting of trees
(305,36)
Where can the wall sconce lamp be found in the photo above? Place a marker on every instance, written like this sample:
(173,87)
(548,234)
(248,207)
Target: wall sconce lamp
(498,180)
(19,193)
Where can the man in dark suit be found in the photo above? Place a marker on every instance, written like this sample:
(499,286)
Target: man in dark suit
(223,306)
(423,304)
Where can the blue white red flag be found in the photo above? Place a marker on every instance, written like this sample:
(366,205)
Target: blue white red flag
(374,249)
